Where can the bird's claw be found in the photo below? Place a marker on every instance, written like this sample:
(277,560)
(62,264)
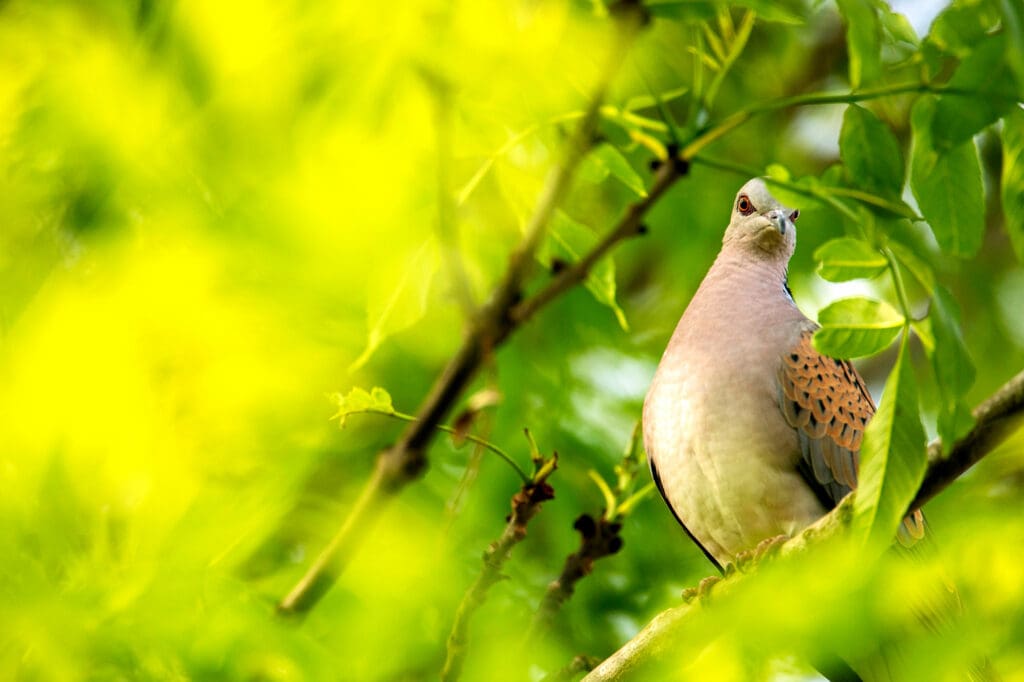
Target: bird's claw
(702,592)
(769,547)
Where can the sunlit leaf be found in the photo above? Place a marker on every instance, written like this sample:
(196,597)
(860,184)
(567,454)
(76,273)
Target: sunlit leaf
(871,152)
(954,371)
(863,40)
(953,366)
(616,164)
(1013,20)
(854,327)
(396,298)
(650,101)
(957,119)
(567,242)
(846,258)
(897,25)
(915,264)
(892,457)
(359,400)
(947,186)
(1012,185)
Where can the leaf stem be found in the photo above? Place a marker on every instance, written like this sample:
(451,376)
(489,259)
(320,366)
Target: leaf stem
(468,436)
(901,292)
(740,117)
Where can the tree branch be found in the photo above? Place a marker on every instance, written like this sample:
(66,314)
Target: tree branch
(525,505)
(598,538)
(996,418)
(630,225)
(404,462)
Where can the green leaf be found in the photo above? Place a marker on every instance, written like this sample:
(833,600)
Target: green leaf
(650,101)
(691,10)
(567,241)
(396,297)
(959,27)
(897,25)
(892,457)
(847,258)
(957,119)
(871,152)
(773,11)
(914,264)
(854,327)
(606,492)
(615,163)
(954,371)
(953,423)
(947,186)
(1013,179)
(1013,22)
(359,401)
(684,10)
(953,366)
(863,40)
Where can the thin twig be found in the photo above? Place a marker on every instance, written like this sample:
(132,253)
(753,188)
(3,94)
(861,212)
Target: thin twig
(525,505)
(730,123)
(996,418)
(598,538)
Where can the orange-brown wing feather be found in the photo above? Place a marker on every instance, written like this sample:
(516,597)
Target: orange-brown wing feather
(826,401)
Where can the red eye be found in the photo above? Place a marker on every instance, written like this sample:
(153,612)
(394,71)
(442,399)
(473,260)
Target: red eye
(744,206)
(794,215)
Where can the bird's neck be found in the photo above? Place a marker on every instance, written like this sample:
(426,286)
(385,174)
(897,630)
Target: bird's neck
(761,278)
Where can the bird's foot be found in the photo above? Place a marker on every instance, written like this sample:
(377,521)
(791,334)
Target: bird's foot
(747,559)
(702,593)
(769,547)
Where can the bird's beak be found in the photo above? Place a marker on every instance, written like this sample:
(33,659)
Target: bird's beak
(780,219)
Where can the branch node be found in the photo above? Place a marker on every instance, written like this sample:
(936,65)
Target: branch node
(399,465)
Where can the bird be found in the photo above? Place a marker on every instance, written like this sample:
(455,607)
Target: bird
(752,434)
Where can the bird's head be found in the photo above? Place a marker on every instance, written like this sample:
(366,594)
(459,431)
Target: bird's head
(760,223)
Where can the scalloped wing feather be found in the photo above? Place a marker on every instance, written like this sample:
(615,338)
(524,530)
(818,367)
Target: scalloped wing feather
(826,401)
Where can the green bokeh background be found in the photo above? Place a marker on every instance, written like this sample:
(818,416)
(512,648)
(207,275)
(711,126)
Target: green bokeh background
(215,214)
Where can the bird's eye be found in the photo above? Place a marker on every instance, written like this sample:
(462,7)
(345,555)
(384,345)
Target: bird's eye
(744,205)
(794,215)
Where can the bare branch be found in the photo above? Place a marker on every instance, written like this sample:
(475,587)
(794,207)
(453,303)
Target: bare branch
(996,418)
(598,538)
(525,505)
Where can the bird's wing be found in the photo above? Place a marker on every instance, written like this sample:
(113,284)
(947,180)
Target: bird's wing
(826,401)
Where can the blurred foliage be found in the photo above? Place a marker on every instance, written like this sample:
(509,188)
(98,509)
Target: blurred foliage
(215,215)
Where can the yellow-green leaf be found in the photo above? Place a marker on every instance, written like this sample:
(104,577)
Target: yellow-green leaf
(863,41)
(616,164)
(359,401)
(871,152)
(1013,179)
(947,186)
(396,297)
(568,241)
(847,258)
(892,457)
(854,327)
